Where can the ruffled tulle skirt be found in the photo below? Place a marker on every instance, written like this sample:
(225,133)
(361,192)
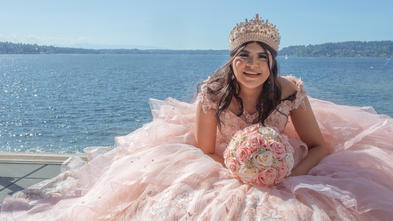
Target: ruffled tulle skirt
(157,173)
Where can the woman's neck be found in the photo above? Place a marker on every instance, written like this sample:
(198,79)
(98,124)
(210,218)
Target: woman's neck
(249,97)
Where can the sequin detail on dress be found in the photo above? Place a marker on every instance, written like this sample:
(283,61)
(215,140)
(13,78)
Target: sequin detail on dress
(250,118)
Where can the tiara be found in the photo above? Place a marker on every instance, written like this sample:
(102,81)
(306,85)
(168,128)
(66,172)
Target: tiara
(254,30)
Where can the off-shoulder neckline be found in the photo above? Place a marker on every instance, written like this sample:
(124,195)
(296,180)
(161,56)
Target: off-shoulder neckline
(290,98)
(277,107)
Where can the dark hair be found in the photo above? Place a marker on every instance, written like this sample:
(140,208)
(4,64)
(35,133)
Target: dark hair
(221,87)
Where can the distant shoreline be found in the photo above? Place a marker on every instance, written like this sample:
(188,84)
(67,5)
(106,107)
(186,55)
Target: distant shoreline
(382,49)
(180,53)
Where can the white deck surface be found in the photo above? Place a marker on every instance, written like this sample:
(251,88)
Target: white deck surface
(21,170)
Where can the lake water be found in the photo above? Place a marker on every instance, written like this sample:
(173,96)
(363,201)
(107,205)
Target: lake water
(63,103)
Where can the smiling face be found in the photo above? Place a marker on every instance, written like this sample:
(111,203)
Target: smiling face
(250,66)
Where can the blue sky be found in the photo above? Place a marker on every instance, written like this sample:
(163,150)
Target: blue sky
(203,24)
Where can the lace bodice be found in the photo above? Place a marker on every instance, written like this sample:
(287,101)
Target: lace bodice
(232,123)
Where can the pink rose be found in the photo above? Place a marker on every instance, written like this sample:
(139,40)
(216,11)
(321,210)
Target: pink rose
(251,128)
(272,144)
(243,153)
(255,142)
(267,177)
(232,164)
(279,151)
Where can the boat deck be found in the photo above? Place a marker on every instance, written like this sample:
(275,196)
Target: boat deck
(21,170)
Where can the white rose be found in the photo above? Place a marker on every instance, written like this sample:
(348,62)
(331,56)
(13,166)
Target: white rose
(247,174)
(234,144)
(263,159)
(268,133)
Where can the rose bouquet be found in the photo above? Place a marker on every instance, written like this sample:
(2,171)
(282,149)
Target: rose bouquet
(259,155)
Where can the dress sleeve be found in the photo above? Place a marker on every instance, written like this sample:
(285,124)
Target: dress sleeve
(300,93)
(207,103)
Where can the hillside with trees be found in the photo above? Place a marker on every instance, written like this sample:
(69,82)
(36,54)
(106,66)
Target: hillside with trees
(342,49)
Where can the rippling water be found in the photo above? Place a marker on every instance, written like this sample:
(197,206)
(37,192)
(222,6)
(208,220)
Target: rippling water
(63,103)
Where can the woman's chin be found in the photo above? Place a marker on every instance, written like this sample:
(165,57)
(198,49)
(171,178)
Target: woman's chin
(251,84)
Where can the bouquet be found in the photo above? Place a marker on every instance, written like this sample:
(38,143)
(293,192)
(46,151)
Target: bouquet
(259,156)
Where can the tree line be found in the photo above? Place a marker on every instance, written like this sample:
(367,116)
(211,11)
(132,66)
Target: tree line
(340,49)
(20,48)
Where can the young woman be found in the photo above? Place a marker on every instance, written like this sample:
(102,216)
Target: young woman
(248,86)
(165,171)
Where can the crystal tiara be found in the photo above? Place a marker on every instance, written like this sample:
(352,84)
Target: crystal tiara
(254,30)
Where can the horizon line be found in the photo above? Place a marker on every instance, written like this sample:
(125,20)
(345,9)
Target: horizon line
(158,49)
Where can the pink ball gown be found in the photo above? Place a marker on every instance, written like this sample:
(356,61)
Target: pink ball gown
(157,173)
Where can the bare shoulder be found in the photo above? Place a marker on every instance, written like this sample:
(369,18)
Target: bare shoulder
(287,87)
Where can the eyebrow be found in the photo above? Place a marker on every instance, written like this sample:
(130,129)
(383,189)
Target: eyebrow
(264,53)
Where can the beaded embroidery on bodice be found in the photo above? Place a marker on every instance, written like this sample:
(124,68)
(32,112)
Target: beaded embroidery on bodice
(250,117)
(230,122)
